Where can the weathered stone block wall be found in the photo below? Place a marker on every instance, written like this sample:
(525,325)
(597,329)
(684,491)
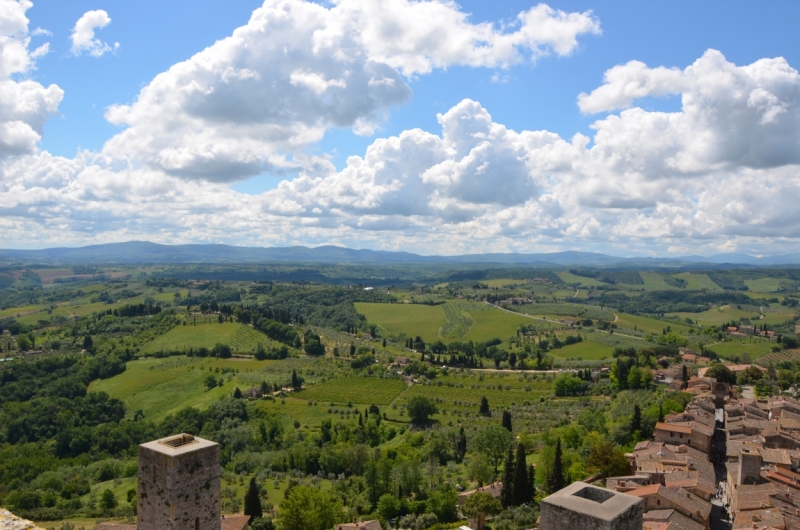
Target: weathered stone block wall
(179,492)
(555,517)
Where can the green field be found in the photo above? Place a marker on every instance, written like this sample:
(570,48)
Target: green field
(648,325)
(428,321)
(241,338)
(469,391)
(698,282)
(755,349)
(654,281)
(587,350)
(412,319)
(765,285)
(568,277)
(363,390)
(14,311)
(164,386)
(502,283)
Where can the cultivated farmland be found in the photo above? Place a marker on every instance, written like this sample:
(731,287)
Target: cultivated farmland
(362,390)
(241,338)
(411,319)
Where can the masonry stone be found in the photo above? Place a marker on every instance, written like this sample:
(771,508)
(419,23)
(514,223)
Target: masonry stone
(179,484)
(585,507)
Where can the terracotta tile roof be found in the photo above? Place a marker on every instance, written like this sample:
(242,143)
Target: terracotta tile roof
(235,522)
(690,502)
(759,519)
(676,520)
(775,456)
(366,525)
(673,428)
(645,490)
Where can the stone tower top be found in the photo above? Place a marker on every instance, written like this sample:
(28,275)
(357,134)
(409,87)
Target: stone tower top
(179,484)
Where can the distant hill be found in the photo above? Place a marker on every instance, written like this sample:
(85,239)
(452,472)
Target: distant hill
(146,252)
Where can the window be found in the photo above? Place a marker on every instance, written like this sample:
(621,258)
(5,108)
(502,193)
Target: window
(658,502)
(671,434)
(681,435)
(196,523)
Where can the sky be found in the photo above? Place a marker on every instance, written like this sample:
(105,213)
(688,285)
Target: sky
(629,128)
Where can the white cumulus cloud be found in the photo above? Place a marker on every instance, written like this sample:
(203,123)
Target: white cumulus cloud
(83,34)
(25,105)
(253,101)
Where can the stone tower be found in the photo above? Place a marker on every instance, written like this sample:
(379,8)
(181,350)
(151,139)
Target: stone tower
(584,507)
(749,466)
(179,484)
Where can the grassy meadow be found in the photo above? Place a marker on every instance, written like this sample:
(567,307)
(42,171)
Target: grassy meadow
(241,338)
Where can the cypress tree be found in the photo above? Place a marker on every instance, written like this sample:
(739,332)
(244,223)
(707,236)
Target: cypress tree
(252,502)
(461,445)
(237,393)
(660,413)
(507,420)
(295,382)
(521,485)
(507,492)
(555,481)
(484,409)
(685,377)
(531,493)
(636,421)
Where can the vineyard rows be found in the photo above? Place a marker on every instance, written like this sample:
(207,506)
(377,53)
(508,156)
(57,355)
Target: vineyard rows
(459,321)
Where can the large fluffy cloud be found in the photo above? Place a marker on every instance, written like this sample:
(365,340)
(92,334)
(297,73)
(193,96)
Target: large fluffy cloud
(25,105)
(720,173)
(254,101)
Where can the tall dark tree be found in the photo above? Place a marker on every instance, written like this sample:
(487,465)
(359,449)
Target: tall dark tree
(685,377)
(660,413)
(556,481)
(484,408)
(636,420)
(88,343)
(507,491)
(507,420)
(384,343)
(237,393)
(521,484)
(461,445)
(297,382)
(531,484)
(252,502)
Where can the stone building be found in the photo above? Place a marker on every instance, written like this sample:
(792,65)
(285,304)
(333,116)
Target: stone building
(179,484)
(179,487)
(587,507)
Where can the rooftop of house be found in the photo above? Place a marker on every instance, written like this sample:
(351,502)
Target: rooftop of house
(671,427)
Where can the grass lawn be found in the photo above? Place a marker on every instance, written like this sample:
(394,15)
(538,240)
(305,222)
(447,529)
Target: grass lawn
(587,349)
(239,337)
(754,349)
(697,282)
(363,390)
(568,277)
(648,325)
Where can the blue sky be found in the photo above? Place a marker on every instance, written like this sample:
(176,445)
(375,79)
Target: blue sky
(525,94)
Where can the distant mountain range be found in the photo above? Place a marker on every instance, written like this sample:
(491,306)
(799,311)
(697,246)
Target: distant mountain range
(147,252)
